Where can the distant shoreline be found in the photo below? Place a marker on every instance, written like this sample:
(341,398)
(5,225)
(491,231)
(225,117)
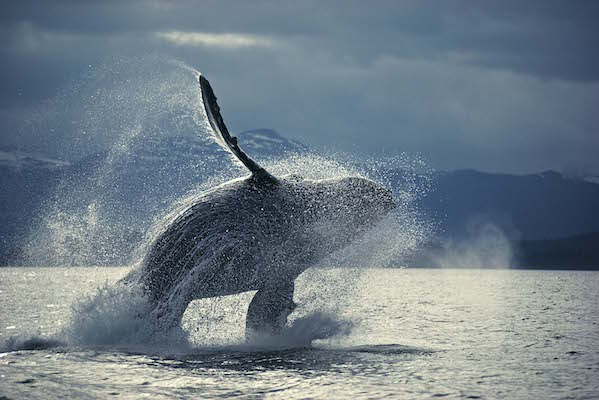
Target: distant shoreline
(574,253)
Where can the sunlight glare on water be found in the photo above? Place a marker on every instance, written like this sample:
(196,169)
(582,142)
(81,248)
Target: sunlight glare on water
(416,333)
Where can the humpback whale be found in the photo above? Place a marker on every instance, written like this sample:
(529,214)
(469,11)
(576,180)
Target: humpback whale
(257,233)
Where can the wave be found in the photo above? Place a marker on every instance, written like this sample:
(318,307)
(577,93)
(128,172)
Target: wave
(115,318)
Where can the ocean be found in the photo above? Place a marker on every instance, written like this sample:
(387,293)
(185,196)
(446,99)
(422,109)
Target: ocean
(357,333)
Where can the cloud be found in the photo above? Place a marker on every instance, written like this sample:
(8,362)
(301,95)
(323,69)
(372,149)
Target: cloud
(219,40)
(509,88)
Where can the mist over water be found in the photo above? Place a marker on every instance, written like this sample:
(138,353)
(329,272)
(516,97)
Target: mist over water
(487,246)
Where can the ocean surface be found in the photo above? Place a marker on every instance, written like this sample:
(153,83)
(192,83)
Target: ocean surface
(374,333)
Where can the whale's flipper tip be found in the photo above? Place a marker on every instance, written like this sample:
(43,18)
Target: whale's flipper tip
(268,310)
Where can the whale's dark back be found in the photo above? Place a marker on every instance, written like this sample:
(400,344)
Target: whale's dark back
(215,229)
(252,233)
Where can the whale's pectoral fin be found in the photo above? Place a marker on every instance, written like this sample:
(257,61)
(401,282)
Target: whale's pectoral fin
(269,309)
(222,135)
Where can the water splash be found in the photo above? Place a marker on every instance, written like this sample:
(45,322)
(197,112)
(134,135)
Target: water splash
(120,127)
(122,115)
(486,246)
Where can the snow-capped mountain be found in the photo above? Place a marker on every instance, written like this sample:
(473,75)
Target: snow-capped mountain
(131,185)
(26,182)
(17,159)
(267,143)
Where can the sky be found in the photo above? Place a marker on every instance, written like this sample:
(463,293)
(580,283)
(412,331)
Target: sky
(506,86)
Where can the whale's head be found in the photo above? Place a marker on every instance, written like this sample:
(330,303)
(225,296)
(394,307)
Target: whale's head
(361,200)
(341,209)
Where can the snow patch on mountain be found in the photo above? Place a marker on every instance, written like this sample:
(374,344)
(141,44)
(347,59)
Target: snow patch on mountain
(23,160)
(267,142)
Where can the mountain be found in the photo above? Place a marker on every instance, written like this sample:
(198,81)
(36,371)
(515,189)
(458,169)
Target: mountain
(110,197)
(100,206)
(20,160)
(591,178)
(27,181)
(578,252)
(268,143)
(574,252)
(527,207)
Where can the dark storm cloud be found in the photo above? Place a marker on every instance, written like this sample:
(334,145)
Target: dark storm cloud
(548,38)
(466,83)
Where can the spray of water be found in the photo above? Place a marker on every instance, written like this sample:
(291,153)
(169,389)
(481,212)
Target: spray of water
(127,119)
(486,246)
(136,139)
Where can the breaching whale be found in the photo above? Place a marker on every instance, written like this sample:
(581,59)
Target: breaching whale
(254,233)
